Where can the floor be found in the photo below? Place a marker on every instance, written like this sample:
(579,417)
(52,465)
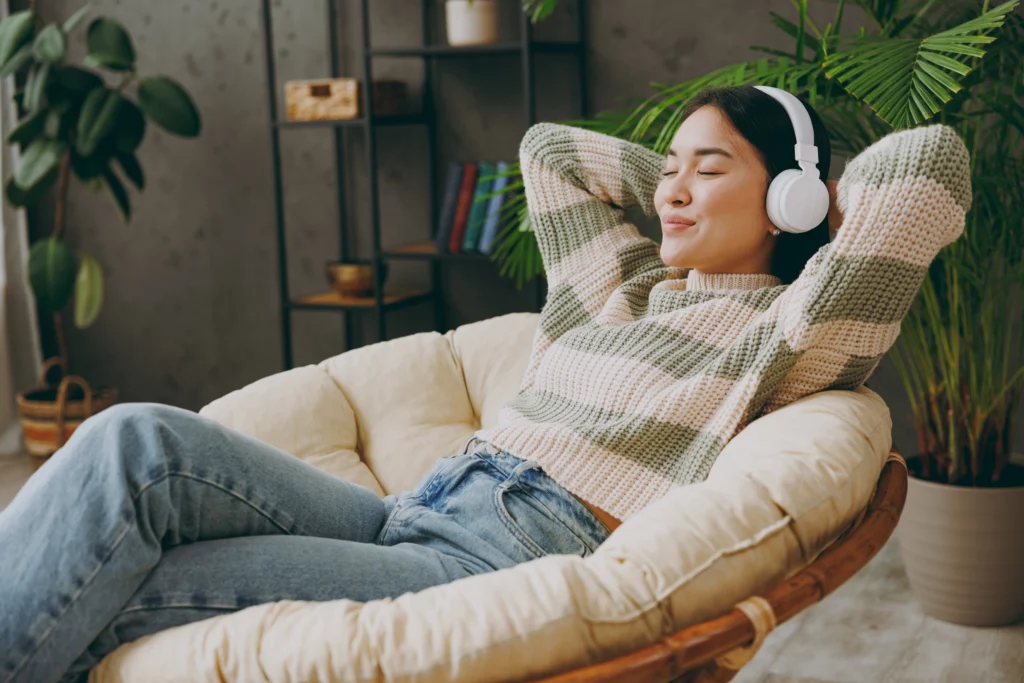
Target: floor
(870,630)
(14,471)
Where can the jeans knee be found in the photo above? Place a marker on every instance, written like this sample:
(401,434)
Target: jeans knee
(129,431)
(134,415)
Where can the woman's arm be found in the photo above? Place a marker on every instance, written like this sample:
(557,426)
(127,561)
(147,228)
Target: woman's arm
(902,199)
(578,185)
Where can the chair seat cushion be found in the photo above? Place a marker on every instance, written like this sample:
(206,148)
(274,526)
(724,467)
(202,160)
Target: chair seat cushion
(780,492)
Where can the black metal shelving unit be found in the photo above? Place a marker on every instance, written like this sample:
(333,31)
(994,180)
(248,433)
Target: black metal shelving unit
(430,51)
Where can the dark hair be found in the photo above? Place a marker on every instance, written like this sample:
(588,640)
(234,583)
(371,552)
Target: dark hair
(763,121)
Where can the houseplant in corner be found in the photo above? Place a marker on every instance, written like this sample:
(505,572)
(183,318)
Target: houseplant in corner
(73,123)
(959,353)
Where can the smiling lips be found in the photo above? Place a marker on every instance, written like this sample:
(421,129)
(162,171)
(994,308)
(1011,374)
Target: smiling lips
(676,223)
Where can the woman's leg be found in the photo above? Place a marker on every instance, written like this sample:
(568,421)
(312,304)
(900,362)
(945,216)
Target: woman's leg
(134,481)
(202,580)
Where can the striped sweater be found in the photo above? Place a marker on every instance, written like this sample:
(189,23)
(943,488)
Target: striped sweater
(640,373)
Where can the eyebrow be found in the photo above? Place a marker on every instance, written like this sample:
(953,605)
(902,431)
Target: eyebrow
(704,151)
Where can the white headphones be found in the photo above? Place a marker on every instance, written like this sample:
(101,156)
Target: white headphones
(797,199)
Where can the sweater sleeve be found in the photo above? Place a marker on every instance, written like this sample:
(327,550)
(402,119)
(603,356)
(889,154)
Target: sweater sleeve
(903,199)
(578,185)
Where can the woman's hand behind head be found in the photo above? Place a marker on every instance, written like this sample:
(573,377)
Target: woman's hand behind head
(835,217)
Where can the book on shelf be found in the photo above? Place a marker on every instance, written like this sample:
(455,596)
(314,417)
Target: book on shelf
(478,212)
(462,207)
(490,229)
(451,198)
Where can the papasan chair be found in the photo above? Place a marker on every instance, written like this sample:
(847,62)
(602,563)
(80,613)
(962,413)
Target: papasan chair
(685,590)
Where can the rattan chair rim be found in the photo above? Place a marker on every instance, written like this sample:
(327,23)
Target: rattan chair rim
(689,655)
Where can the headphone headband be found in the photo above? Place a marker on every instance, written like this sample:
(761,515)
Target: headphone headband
(804,150)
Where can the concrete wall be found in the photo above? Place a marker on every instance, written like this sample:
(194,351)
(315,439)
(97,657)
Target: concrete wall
(191,310)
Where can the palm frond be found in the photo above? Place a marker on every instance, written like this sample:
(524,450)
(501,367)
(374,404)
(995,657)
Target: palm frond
(907,81)
(539,10)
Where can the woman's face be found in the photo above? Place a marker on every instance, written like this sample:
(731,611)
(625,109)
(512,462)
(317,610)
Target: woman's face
(711,199)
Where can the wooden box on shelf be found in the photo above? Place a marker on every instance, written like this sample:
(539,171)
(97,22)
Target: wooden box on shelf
(328,99)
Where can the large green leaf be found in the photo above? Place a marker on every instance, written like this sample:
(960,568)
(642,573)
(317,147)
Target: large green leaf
(132,169)
(109,45)
(99,113)
(51,271)
(28,128)
(167,103)
(75,19)
(118,192)
(49,45)
(35,87)
(907,81)
(88,291)
(131,127)
(40,158)
(76,79)
(18,196)
(89,168)
(22,57)
(15,32)
(58,119)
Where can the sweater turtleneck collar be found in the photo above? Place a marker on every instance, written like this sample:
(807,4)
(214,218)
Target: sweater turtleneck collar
(701,281)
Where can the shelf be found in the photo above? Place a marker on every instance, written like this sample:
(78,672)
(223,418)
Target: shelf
(493,48)
(332,300)
(405,120)
(427,251)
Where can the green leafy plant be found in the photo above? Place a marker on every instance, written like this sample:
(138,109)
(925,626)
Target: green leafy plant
(73,122)
(959,353)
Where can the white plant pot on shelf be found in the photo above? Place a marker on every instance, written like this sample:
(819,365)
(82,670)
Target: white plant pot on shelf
(472,23)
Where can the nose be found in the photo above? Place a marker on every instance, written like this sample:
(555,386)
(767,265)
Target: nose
(677,192)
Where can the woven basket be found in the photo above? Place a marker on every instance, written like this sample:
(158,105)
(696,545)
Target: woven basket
(50,414)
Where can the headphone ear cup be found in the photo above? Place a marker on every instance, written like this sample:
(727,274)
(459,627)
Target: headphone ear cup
(797,202)
(777,192)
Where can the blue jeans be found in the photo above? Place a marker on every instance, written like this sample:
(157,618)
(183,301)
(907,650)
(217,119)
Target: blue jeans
(153,516)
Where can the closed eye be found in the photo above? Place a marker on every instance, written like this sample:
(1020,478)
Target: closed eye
(668,173)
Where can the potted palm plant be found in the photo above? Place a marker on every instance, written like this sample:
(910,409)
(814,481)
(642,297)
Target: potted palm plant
(959,353)
(72,122)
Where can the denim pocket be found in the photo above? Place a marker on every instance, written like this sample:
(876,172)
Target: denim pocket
(424,489)
(534,525)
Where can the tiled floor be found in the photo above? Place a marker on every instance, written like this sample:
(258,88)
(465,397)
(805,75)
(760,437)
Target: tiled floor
(869,631)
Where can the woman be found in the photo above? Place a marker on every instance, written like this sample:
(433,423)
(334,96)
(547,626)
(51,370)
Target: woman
(646,361)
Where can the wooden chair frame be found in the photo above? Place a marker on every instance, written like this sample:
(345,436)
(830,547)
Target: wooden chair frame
(689,655)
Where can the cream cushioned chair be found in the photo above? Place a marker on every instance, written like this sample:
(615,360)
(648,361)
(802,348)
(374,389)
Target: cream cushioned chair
(781,492)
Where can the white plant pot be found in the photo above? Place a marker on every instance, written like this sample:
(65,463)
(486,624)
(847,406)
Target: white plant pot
(472,24)
(964,552)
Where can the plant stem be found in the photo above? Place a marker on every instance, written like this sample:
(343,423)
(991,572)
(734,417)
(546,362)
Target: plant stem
(60,214)
(62,342)
(128,78)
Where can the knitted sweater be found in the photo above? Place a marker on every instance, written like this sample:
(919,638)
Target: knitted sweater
(640,373)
